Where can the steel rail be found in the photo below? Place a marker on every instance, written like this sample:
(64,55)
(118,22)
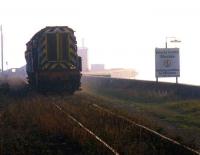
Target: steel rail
(87,130)
(146,128)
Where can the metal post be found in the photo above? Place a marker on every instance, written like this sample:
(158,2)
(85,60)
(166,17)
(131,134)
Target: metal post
(156,79)
(174,41)
(1,49)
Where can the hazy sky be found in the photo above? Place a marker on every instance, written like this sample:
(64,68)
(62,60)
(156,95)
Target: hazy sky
(118,33)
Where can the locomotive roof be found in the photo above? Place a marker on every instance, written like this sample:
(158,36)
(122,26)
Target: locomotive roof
(52,29)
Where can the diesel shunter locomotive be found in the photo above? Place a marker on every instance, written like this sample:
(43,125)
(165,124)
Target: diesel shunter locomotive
(52,60)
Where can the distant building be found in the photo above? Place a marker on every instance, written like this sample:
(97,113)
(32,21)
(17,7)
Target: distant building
(115,73)
(97,67)
(15,72)
(82,52)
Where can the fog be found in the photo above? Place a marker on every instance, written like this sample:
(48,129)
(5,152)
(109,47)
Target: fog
(119,34)
(13,79)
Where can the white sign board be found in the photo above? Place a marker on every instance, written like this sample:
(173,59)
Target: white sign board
(167,62)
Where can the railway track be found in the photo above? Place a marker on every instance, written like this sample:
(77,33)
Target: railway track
(170,143)
(147,129)
(86,129)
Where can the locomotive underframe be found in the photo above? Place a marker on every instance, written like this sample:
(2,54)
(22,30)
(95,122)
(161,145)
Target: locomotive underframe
(56,80)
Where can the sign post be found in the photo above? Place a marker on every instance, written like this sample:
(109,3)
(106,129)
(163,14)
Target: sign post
(167,63)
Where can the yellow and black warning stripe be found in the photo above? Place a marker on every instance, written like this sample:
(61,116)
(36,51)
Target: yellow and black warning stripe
(57,48)
(53,66)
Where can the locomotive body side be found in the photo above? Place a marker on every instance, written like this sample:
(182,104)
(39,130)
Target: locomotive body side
(52,60)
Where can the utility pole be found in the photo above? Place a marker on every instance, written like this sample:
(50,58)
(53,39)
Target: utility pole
(1,49)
